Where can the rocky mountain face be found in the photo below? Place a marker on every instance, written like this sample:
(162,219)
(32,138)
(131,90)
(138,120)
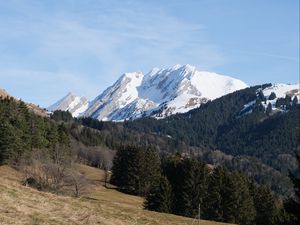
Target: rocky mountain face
(74,104)
(160,93)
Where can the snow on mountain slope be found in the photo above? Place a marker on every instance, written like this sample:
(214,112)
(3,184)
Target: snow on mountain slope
(116,97)
(74,104)
(160,93)
(280,91)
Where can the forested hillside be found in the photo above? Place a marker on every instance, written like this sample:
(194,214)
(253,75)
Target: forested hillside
(261,144)
(221,124)
(260,137)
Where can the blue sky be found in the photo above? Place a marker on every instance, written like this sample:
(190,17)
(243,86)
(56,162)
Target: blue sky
(48,48)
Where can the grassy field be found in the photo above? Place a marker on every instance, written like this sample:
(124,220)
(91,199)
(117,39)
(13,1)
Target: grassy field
(20,205)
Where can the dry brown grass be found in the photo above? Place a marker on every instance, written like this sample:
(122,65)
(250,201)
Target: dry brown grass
(24,205)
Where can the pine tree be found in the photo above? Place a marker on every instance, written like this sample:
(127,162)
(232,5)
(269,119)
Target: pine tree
(135,164)
(269,109)
(279,102)
(187,189)
(213,200)
(151,171)
(171,167)
(230,199)
(119,169)
(261,96)
(272,96)
(245,213)
(159,198)
(295,101)
(200,186)
(264,202)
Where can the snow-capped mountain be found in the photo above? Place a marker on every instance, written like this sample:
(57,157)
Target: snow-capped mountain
(74,104)
(160,93)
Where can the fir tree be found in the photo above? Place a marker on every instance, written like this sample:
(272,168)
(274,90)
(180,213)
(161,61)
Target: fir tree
(245,213)
(213,200)
(159,198)
(187,189)
(264,202)
(200,186)
(261,96)
(269,109)
(151,172)
(119,169)
(272,96)
(295,101)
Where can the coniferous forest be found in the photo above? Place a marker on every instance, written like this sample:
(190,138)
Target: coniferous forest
(180,185)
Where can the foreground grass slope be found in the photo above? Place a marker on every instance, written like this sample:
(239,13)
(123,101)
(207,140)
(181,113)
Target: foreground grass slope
(99,205)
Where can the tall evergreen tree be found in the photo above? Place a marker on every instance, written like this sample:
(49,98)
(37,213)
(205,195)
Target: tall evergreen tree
(269,109)
(159,198)
(261,96)
(135,179)
(245,213)
(272,96)
(187,192)
(151,172)
(213,200)
(119,169)
(295,101)
(264,202)
(200,186)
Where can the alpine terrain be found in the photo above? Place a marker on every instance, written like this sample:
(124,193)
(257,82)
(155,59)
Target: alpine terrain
(159,93)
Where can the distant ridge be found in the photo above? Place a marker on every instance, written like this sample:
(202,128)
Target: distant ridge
(74,104)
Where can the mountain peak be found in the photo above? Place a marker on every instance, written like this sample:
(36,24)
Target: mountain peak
(173,90)
(176,67)
(74,104)
(188,67)
(70,94)
(159,93)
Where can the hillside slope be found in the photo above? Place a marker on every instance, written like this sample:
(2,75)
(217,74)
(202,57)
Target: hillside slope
(24,205)
(32,107)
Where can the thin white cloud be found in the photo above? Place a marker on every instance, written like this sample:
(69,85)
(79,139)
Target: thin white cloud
(117,36)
